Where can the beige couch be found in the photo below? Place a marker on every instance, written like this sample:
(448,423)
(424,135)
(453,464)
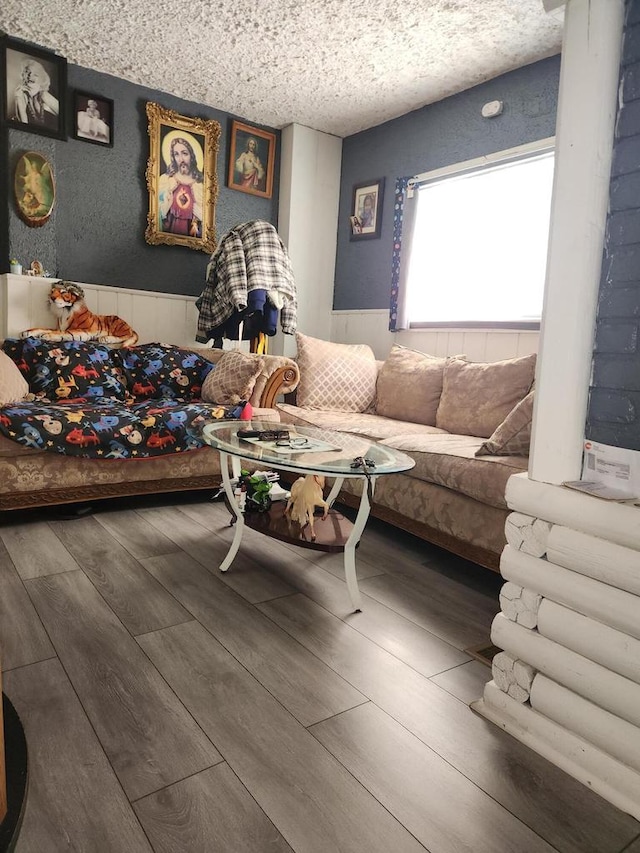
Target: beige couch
(467,425)
(33,478)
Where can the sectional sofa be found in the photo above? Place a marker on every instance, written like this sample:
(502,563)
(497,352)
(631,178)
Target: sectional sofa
(466,424)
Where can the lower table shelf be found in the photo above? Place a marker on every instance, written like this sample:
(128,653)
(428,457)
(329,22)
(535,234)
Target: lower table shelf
(331,533)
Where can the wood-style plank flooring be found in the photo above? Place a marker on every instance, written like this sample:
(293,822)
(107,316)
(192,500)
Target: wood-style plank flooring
(170,708)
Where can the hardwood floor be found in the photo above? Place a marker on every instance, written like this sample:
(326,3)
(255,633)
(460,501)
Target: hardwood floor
(170,708)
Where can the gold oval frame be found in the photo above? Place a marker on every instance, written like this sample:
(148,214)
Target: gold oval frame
(34,189)
(209,130)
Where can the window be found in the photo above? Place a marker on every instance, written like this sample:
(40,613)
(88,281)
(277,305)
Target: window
(479,248)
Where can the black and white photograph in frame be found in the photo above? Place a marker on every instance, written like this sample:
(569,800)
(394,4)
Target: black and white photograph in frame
(92,117)
(34,94)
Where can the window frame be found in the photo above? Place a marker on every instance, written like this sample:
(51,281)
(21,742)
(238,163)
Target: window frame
(478,164)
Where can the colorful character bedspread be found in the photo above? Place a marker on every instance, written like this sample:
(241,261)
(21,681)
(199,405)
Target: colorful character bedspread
(112,429)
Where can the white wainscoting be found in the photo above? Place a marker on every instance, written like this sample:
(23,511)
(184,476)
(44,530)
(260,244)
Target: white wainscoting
(163,317)
(372,327)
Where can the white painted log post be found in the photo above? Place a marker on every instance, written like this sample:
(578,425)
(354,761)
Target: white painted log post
(600,643)
(519,604)
(527,534)
(605,603)
(586,678)
(512,676)
(607,731)
(619,523)
(596,558)
(616,782)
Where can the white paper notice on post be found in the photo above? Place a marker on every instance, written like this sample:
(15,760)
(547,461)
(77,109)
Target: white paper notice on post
(611,466)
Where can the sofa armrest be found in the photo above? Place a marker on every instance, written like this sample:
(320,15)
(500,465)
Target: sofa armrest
(280,375)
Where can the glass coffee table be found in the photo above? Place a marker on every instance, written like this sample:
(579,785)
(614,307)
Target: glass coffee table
(311,451)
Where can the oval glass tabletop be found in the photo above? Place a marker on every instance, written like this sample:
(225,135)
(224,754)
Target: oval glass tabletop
(306,448)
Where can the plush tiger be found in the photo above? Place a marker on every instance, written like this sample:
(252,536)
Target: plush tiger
(77,323)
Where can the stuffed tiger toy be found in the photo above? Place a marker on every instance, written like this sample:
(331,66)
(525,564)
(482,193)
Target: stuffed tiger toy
(77,323)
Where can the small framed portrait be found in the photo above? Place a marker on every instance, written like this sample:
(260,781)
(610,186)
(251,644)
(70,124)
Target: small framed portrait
(92,118)
(35,89)
(365,220)
(182,179)
(252,155)
(34,189)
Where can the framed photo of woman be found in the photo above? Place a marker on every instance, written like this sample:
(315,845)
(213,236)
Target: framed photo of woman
(366,210)
(251,160)
(35,89)
(92,119)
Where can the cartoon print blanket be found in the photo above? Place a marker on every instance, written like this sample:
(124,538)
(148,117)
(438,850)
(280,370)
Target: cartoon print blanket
(111,429)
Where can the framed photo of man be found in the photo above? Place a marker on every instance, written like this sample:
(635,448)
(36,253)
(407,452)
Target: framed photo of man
(34,93)
(181,179)
(365,220)
(252,155)
(92,119)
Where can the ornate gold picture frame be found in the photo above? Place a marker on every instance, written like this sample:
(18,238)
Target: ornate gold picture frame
(182,179)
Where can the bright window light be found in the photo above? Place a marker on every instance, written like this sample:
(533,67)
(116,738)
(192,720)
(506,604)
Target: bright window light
(480,245)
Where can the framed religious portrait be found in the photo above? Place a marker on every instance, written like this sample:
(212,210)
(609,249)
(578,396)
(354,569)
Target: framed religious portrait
(252,155)
(92,118)
(182,179)
(34,189)
(34,92)
(365,221)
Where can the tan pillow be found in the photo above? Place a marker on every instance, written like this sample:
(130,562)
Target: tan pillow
(337,377)
(409,386)
(513,436)
(478,396)
(13,385)
(232,378)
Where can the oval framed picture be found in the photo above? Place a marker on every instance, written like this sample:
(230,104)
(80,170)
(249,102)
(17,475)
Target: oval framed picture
(34,189)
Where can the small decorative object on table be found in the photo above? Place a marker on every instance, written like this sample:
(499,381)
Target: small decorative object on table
(15,267)
(306,495)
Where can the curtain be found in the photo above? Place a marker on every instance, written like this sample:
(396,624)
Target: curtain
(404,217)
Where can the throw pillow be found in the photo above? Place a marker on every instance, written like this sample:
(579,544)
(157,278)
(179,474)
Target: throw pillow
(513,436)
(162,371)
(337,377)
(478,396)
(67,370)
(13,385)
(233,378)
(409,386)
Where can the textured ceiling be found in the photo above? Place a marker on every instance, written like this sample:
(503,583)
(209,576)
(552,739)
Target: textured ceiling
(339,66)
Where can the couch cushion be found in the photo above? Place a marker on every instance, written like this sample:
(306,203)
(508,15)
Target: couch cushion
(409,386)
(358,423)
(450,460)
(233,378)
(477,396)
(340,377)
(67,370)
(13,386)
(513,436)
(162,371)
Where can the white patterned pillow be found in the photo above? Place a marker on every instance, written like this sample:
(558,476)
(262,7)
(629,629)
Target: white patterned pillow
(338,377)
(13,385)
(233,378)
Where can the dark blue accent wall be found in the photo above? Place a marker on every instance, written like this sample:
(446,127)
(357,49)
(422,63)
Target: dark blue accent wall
(614,402)
(96,232)
(450,131)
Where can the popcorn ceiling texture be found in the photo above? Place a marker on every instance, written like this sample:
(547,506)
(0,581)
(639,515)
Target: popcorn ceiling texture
(338,66)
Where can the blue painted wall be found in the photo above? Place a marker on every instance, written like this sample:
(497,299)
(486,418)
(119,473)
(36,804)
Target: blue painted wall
(96,233)
(614,402)
(438,135)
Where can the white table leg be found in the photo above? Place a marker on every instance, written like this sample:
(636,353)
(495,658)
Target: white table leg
(228,488)
(350,546)
(335,490)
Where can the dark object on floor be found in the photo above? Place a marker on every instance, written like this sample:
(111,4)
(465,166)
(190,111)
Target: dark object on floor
(17,777)
(484,652)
